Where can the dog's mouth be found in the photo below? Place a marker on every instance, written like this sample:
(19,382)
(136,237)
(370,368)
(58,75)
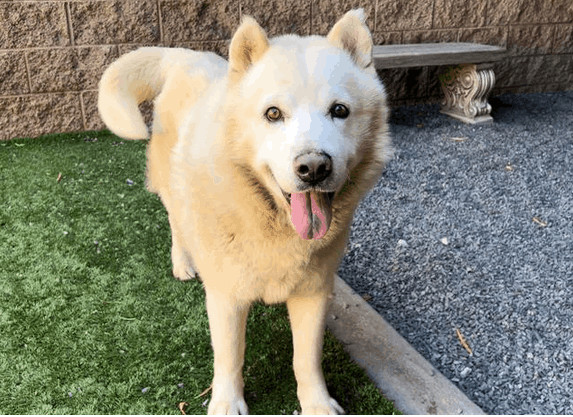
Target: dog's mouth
(310,212)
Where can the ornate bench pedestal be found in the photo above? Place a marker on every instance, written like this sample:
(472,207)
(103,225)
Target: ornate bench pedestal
(466,89)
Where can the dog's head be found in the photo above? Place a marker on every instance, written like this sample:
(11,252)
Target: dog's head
(305,110)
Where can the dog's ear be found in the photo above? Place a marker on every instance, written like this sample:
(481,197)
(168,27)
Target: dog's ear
(351,34)
(248,45)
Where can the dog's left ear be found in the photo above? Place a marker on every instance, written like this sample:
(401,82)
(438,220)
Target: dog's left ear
(248,45)
(351,34)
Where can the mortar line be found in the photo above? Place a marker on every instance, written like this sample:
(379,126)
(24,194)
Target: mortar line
(375,25)
(507,34)
(83,111)
(28,76)
(160,19)
(46,93)
(69,22)
(46,48)
(310,25)
(45,1)
(486,10)
(553,40)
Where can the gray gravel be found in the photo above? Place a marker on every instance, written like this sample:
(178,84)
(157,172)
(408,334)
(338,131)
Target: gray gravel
(447,240)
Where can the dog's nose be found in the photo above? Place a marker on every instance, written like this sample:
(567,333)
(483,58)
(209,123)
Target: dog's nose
(313,167)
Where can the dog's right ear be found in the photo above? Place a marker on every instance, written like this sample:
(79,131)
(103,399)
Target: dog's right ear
(351,34)
(248,45)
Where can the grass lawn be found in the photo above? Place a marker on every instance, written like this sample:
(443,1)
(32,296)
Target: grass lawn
(91,320)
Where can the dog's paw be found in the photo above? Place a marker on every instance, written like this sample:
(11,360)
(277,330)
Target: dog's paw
(325,407)
(234,407)
(184,273)
(227,397)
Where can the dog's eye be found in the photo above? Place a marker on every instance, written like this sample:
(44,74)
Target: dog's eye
(273,114)
(339,111)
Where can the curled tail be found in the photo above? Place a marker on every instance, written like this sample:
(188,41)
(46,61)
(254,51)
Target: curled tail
(132,79)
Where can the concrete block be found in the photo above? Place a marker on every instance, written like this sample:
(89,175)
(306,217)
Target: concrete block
(459,13)
(530,39)
(199,20)
(325,13)
(279,17)
(221,48)
(107,22)
(404,15)
(33,24)
(71,69)
(387,38)
(503,12)
(402,83)
(558,69)
(521,71)
(563,42)
(34,115)
(529,11)
(13,76)
(92,119)
(489,36)
(431,36)
(125,48)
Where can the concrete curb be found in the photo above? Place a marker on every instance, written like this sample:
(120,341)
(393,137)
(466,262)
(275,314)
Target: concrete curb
(401,373)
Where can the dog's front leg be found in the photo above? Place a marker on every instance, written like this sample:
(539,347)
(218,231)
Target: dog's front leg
(227,321)
(307,316)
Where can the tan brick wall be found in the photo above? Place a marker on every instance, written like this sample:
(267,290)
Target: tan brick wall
(53,52)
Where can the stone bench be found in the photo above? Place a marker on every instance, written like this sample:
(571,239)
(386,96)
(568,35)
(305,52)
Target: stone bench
(466,83)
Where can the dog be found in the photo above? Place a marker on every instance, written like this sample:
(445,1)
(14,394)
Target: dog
(260,162)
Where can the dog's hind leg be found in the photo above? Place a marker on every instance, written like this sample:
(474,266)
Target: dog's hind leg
(227,322)
(183,267)
(307,317)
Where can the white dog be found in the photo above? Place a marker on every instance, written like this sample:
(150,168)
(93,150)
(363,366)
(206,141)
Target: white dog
(260,163)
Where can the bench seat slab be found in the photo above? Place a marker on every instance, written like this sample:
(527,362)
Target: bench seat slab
(428,54)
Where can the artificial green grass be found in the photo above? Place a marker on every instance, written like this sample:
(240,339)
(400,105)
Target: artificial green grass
(91,320)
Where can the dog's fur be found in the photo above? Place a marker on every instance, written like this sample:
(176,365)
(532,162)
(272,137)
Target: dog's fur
(222,170)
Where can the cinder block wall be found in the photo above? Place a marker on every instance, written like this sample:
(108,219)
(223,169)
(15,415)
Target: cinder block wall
(52,53)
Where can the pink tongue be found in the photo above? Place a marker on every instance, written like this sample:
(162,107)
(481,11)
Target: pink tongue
(310,213)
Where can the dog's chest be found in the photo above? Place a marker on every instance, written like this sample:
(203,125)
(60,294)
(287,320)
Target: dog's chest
(274,273)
